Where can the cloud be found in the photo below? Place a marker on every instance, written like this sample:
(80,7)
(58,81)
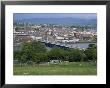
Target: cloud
(55,15)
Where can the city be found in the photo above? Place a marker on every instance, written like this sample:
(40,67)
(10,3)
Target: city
(63,35)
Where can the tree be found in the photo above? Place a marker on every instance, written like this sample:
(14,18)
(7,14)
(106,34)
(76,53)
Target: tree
(23,58)
(17,55)
(92,45)
(39,57)
(29,51)
(67,55)
(91,53)
(76,55)
(56,54)
(38,47)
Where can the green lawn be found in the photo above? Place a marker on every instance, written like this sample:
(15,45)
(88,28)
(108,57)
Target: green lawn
(73,68)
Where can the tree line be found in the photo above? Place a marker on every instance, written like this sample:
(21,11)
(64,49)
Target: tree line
(37,52)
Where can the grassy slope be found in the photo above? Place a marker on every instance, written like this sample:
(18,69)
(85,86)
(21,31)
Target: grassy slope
(74,68)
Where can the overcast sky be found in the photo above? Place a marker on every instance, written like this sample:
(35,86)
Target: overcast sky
(54,15)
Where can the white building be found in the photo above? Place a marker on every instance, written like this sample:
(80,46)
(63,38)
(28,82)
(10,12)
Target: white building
(59,38)
(38,38)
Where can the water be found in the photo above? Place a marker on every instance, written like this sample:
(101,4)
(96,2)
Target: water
(76,45)
(80,45)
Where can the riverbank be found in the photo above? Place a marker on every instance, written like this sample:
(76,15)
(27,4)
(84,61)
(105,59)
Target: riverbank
(86,42)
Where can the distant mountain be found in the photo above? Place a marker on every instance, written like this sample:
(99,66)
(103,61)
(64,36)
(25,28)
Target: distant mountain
(58,21)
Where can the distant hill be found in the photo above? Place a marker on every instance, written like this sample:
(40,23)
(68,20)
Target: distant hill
(78,21)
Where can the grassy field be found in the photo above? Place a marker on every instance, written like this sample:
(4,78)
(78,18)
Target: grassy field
(73,68)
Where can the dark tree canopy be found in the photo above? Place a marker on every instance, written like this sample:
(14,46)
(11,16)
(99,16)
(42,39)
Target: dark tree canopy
(91,53)
(36,52)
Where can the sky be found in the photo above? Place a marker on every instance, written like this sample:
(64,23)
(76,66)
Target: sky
(54,15)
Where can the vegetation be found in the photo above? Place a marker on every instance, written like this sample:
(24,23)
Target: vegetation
(73,61)
(36,52)
(71,68)
(30,52)
(91,53)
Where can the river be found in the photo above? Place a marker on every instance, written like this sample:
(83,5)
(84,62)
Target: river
(75,45)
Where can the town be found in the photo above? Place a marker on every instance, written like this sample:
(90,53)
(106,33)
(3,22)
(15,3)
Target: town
(62,35)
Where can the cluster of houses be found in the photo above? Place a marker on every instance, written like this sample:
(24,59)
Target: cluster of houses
(51,34)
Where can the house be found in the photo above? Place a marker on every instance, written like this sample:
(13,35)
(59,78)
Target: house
(59,38)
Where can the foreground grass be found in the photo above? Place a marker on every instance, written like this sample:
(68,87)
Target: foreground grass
(73,68)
